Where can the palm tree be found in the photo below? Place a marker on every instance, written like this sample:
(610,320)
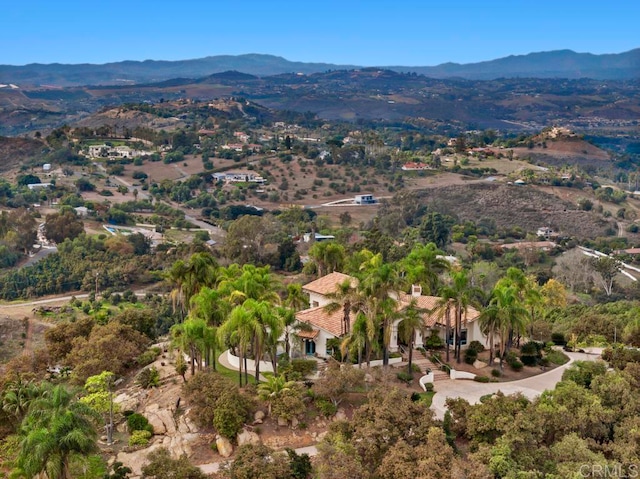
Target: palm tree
(274,387)
(237,331)
(423,266)
(209,304)
(189,337)
(296,299)
(357,339)
(56,430)
(510,315)
(411,321)
(188,277)
(290,326)
(380,286)
(248,282)
(346,297)
(328,257)
(461,294)
(18,396)
(489,322)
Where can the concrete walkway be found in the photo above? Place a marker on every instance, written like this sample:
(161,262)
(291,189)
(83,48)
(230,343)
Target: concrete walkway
(472,391)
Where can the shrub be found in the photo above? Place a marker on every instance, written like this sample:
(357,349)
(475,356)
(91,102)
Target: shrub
(405,377)
(481,379)
(516,365)
(228,419)
(429,387)
(470,356)
(433,341)
(557,357)
(415,368)
(139,438)
(326,407)
(217,400)
(496,373)
(304,366)
(137,422)
(476,346)
(148,378)
(558,339)
(529,360)
(147,357)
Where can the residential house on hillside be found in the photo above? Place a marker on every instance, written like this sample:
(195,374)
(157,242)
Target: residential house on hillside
(328,324)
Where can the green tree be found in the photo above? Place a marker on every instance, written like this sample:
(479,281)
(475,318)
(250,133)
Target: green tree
(59,226)
(435,228)
(99,397)
(56,431)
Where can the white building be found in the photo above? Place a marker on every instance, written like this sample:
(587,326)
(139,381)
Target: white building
(327,325)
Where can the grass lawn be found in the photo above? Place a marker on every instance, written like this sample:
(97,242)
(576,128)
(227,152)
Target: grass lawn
(426,398)
(233,375)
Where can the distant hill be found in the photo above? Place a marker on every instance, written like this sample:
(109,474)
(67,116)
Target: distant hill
(555,64)
(148,71)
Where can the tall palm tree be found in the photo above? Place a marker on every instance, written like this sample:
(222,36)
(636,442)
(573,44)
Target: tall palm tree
(423,266)
(380,286)
(189,337)
(290,326)
(328,257)
(346,297)
(411,321)
(461,295)
(56,430)
(489,322)
(295,298)
(237,331)
(510,314)
(188,277)
(357,339)
(248,282)
(209,304)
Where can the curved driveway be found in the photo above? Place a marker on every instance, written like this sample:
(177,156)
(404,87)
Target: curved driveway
(472,391)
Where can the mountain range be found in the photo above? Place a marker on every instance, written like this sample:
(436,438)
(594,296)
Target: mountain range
(555,64)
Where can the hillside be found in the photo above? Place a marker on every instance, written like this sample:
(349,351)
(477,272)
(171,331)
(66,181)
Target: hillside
(13,151)
(356,95)
(554,64)
(524,206)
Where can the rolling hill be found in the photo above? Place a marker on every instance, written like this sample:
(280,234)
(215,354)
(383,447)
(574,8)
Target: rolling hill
(554,64)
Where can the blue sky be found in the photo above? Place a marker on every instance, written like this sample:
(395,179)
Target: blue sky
(360,32)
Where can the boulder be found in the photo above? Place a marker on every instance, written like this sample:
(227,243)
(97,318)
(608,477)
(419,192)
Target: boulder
(282,422)
(259,415)
(294,423)
(161,419)
(225,449)
(248,437)
(340,415)
(479,364)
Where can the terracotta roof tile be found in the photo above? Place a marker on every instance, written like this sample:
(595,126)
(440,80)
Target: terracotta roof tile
(320,318)
(327,284)
(433,314)
(308,334)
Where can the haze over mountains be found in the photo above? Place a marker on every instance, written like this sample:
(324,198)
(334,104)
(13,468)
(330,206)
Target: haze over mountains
(554,64)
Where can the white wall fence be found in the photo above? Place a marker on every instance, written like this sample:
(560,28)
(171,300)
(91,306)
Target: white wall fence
(265,366)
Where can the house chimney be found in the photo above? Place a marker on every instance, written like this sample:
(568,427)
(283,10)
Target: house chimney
(416,290)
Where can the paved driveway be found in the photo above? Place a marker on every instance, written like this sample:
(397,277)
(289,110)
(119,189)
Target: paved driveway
(472,391)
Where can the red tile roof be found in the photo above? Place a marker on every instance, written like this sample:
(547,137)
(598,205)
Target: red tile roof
(320,318)
(328,284)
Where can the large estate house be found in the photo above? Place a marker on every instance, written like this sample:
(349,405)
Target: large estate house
(327,323)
